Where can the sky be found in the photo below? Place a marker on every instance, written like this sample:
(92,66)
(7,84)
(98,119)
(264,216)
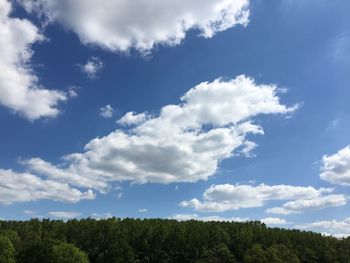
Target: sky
(229,110)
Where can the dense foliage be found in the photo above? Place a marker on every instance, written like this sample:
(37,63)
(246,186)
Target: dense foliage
(157,240)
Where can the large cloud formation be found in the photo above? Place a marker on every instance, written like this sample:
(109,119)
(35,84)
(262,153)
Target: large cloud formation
(184,143)
(119,25)
(226,197)
(336,167)
(20,90)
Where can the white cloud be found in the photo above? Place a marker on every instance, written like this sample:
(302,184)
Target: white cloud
(106,111)
(29,212)
(24,187)
(301,205)
(54,173)
(119,25)
(131,118)
(187,217)
(143,210)
(101,216)
(64,214)
(20,90)
(225,197)
(336,167)
(184,143)
(331,227)
(92,67)
(273,221)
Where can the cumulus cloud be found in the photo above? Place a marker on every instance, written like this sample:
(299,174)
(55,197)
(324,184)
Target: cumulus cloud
(64,214)
(299,206)
(54,173)
(274,221)
(24,187)
(143,210)
(118,25)
(329,227)
(225,197)
(336,167)
(106,111)
(20,90)
(184,143)
(92,67)
(187,217)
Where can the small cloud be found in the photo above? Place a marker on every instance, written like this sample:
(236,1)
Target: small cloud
(272,221)
(187,217)
(119,189)
(101,216)
(64,214)
(92,67)
(29,212)
(131,118)
(72,91)
(107,111)
(143,210)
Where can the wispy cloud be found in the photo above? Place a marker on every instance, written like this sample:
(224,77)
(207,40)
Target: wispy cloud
(92,67)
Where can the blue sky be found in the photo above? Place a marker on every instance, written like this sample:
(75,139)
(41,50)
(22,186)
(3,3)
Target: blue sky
(301,164)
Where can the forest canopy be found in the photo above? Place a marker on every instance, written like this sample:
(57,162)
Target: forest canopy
(160,240)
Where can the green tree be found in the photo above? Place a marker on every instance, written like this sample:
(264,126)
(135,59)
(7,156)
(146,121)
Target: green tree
(255,255)
(272,255)
(281,254)
(53,251)
(68,253)
(220,254)
(117,252)
(7,251)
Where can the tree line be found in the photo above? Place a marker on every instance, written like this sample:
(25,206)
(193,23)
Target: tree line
(160,240)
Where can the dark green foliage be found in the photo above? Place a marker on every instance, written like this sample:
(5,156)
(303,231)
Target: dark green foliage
(156,240)
(256,254)
(220,254)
